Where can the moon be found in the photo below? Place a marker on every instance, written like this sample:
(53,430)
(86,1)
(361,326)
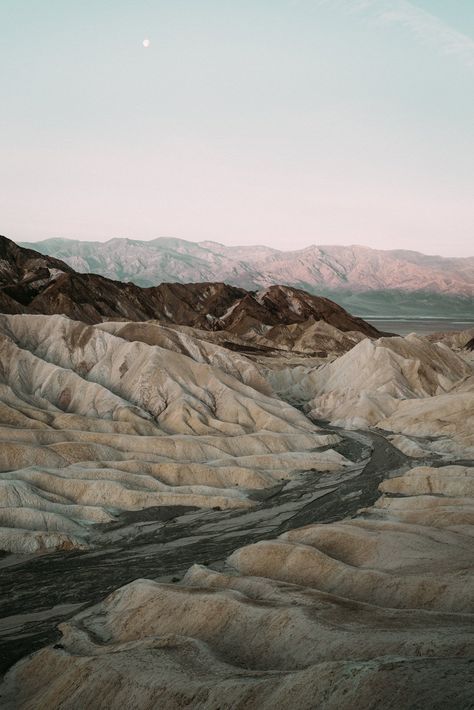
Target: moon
(146,43)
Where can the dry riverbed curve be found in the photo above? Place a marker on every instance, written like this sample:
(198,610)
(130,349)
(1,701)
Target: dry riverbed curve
(231,527)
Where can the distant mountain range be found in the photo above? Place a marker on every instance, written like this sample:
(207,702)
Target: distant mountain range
(366,281)
(34,283)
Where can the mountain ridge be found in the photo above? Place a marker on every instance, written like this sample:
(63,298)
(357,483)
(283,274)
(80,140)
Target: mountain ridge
(345,262)
(347,274)
(37,284)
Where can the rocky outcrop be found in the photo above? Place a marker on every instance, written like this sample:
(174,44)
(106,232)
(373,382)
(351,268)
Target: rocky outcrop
(24,274)
(31,283)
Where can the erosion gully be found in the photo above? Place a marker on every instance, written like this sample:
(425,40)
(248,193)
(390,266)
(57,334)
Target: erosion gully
(38,592)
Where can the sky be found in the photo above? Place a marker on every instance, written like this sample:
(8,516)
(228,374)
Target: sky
(278,122)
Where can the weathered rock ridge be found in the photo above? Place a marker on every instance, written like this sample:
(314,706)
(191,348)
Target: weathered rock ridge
(92,424)
(332,267)
(33,283)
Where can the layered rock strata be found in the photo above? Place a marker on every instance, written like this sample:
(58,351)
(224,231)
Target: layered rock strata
(92,424)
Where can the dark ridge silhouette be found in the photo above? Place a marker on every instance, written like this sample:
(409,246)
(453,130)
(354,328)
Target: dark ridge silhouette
(33,283)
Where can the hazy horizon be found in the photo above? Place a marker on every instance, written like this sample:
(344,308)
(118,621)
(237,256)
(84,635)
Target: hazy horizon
(285,123)
(221,243)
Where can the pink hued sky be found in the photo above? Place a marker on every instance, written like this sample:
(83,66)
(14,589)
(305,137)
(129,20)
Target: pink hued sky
(285,123)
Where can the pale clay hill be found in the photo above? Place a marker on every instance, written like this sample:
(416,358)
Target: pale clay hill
(422,391)
(371,612)
(93,424)
(90,418)
(119,417)
(148,263)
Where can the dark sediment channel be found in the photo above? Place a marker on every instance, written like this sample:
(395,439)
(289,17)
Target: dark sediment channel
(37,593)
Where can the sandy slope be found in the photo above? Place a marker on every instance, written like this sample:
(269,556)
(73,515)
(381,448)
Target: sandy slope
(92,423)
(368,612)
(374,611)
(408,386)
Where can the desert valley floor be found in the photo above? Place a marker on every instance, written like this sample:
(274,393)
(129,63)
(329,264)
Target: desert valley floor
(247,527)
(253,510)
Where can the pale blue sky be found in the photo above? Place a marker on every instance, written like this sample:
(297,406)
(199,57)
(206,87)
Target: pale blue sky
(245,121)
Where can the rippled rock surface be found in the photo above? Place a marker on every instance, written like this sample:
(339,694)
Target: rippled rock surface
(106,428)
(375,611)
(92,424)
